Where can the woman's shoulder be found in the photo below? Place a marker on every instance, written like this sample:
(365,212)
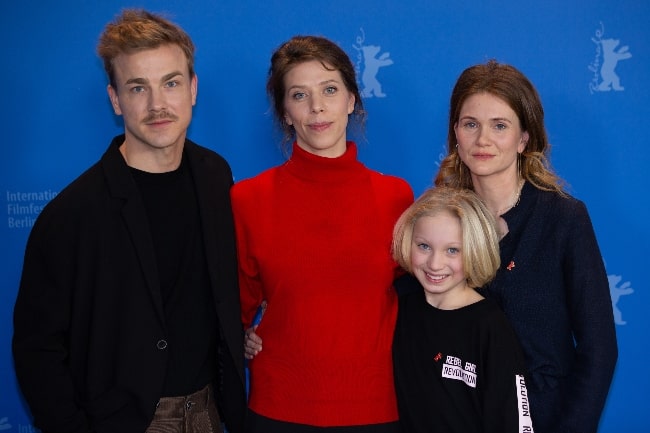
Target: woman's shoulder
(253,185)
(555,216)
(559,203)
(391,184)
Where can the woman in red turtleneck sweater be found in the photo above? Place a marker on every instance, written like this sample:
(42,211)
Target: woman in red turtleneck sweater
(314,239)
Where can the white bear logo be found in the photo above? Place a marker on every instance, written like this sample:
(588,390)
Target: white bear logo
(604,65)
(610,59)
(369,56)
(371,85)
(616,291)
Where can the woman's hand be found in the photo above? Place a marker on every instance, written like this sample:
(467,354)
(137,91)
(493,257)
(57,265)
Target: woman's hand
(252,343)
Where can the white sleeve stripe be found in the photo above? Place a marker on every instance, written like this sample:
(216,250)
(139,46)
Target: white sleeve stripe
(525,420)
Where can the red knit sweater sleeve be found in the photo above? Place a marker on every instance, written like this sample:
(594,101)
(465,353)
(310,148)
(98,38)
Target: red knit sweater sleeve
(250,288)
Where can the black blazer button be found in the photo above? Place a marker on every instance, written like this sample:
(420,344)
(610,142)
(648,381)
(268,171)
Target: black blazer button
(161,344)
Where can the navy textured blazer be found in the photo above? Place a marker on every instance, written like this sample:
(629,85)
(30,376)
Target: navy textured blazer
(89,329)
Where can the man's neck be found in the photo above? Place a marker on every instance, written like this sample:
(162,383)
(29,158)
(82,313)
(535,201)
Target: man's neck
(152,160)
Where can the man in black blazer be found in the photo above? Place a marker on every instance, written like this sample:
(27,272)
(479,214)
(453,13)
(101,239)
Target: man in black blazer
(127,317)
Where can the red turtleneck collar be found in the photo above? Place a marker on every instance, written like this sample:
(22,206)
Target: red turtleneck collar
(315,168)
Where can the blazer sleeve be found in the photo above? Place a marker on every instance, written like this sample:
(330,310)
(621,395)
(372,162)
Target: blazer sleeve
(41,324)
(592,320)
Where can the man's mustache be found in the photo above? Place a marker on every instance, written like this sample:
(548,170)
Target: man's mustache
(163,115)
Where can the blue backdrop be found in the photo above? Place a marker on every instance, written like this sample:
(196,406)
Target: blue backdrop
(589,61)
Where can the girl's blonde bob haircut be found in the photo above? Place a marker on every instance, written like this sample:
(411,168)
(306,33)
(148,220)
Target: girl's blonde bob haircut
(480,245)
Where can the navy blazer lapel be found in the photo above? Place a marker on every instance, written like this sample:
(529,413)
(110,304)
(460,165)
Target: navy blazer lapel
(123,187)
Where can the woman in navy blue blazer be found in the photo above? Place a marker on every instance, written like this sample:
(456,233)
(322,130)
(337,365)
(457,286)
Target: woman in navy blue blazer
(552,283)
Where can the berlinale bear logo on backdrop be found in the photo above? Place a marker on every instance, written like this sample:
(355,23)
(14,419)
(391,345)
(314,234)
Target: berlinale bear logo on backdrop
(607,57)
(616,291)
(368,56)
